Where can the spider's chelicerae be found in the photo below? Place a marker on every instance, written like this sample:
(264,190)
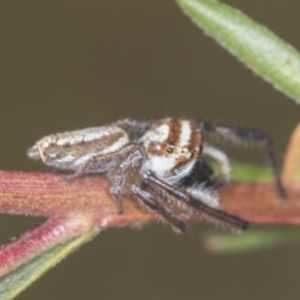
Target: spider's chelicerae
(162,163)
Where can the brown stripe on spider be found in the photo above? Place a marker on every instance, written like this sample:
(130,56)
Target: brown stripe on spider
(171,129)
(195,141)
(175,130)
(103,143)
(189,144)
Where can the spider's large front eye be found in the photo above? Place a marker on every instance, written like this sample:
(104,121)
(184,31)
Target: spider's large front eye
(170,149)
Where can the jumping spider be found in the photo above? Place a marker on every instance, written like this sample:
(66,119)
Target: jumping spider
(162,163)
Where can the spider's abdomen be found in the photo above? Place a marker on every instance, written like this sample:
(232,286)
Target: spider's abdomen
(172,148)
(70,150)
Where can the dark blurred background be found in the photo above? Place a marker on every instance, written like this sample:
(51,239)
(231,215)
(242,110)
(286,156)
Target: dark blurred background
(68,65)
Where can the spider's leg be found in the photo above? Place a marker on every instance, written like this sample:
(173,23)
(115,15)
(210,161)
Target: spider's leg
(98,163)
(131,161)
(135,128)
(233,132)
(208,212)
(166,212)
(221,158)
(85,168)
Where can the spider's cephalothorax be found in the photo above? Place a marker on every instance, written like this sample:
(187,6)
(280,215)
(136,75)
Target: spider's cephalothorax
(172,148)
(162,163)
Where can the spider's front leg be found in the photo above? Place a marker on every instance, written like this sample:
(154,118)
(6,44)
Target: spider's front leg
(207,212)
(235,133)
(148,200)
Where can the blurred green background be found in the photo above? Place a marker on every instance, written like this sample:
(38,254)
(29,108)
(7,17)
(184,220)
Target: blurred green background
(72,64)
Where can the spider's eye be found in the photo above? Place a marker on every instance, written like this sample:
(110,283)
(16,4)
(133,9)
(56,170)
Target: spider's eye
(170,149)
(184,150)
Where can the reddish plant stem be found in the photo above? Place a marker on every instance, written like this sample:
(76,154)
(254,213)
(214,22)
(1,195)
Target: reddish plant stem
(85,203)
(44,194)
(258,202)
(39,239)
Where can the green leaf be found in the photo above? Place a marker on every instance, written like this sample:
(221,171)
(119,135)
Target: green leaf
(243,172)
(260,49)
(18,280)
(227,243)
(246,172)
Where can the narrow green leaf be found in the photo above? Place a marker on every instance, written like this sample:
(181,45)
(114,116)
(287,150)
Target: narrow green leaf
(260,49)
(226,243)
(244,172)
(18,280)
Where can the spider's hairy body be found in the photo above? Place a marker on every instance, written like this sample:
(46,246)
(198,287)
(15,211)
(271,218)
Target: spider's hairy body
(162,163)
